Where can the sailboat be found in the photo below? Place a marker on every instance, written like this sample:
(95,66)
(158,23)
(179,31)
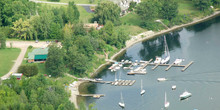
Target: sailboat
(121,104)
(167,53)
(142,90)
(166,103)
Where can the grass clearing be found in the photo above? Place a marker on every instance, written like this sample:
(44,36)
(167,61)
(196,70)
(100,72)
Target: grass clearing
(131,19)
(131,30)
(7,56)
(85,17)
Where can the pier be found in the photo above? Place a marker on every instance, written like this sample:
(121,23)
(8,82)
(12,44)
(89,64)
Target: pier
(92,95)
(144,64)
(123,83)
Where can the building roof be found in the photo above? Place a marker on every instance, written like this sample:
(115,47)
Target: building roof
(38,53)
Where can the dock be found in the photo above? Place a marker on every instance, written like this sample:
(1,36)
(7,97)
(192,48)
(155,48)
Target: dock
(123,83)
(92,95)
(187,66)
(144,64)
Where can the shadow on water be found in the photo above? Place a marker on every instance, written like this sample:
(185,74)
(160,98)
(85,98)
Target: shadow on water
(204,25)
(155,47)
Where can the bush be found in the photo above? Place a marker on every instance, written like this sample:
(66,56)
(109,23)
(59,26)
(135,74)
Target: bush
(30,47)
(180,19)
(28,70)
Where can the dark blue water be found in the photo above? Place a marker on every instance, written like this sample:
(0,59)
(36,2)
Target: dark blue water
(199,43)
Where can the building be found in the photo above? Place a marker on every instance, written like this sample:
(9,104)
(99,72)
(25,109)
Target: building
(17,75)
(39,54)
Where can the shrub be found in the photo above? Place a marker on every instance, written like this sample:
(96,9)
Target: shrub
(28,70)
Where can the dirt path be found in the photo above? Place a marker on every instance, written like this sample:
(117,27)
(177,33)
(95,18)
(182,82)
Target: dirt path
(23,45)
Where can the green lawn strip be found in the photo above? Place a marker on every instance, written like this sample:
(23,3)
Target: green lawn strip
(186,7)
(131,19)
(130,29)
(7,58)
(85,17)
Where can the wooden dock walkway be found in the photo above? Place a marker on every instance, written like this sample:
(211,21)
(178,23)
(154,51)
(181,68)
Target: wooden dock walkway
(187,66)
(123,83)
(92,95)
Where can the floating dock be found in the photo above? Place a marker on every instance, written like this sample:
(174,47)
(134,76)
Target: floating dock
(92,95)
(123,83)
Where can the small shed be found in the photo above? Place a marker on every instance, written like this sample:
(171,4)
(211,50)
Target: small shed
(17,75)
(39,54)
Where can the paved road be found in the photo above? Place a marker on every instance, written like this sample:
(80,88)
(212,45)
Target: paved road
(23,45)
(59,3)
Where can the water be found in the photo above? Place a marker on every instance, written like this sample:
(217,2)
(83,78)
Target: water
(199,43)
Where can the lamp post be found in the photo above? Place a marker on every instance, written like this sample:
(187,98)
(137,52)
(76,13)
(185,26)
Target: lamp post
(159,21)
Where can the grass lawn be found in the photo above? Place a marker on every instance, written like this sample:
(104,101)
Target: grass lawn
(131,19)
(85,17)
(7,56)
(186,7)
(131,30)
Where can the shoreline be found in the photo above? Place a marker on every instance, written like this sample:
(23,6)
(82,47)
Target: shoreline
(144,37)
(149,35)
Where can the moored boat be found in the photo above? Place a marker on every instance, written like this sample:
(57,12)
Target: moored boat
(185,95)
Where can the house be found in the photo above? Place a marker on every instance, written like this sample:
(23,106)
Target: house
(38,55)
(17,75)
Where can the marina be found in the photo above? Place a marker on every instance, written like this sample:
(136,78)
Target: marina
(144,64)
(200,73)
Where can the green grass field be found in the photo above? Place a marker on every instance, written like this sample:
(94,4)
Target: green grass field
(7,56)
(186,7)
(85,17)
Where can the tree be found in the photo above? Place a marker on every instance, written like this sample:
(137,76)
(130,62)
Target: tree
(55,62)
(169,9)
(55,31)
(202,4)
(28,70)
(147,10)
(2,40)
(22,29)
(107,11)
(23,97)
(108,34)
(77,62)
(72,13)
(132,6)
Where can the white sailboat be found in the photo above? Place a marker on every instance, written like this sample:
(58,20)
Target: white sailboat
(167,53)
(166,103)
(142,90)
(121,104)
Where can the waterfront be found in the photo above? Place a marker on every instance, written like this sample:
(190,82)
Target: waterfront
(199,43)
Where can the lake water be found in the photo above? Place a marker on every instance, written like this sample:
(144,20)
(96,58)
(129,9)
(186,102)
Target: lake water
(199,43)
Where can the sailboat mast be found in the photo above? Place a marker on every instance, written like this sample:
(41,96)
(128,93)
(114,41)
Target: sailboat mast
(122,98)
(141,85)
(165,98)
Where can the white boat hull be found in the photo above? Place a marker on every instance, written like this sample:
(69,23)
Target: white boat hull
(121,105)
(142,92)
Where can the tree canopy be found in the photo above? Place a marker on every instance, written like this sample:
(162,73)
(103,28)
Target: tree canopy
(107,11)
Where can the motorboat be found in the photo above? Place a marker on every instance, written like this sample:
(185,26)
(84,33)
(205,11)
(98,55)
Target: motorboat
(178,61)
(166,103)
(158,60)
(142,90)
(121,103)
(185,95)
(161,79)
(173,87)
